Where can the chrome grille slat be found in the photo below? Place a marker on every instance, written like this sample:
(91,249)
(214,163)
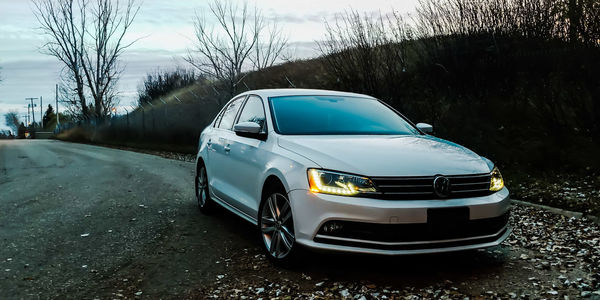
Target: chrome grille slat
(395,185)
(471,191)
(421,187)
(470,183)
(409,193)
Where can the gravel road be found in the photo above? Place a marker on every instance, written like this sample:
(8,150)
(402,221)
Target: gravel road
(80,221)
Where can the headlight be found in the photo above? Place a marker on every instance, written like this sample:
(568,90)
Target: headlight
(328,182)
(496,182)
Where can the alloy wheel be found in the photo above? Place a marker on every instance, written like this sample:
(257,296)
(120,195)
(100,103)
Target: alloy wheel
(201,187)
(277,225)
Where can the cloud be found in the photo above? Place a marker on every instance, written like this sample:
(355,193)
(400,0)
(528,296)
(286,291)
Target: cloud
(166,29)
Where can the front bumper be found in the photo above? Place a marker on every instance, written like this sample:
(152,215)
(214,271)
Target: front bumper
(395,227)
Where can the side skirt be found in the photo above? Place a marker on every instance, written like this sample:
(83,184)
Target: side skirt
(234,210)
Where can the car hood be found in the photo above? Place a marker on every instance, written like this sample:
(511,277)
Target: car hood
(398,155)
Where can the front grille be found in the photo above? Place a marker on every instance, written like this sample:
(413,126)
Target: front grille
(373,235)
(417,188)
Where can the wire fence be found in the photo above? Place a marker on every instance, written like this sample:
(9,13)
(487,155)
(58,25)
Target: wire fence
(176,124)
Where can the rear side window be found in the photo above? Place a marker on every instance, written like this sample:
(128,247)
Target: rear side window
(229,113)
(253,112)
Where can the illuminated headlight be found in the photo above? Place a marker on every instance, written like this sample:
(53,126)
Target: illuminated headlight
(329,182)
(496,182)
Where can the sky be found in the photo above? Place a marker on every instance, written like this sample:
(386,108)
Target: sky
(165,31)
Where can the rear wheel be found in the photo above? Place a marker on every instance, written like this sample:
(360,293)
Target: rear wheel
(205,204)
(276,225)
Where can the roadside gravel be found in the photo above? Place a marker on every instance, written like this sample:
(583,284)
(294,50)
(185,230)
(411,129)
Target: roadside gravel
(548,256)
(575,192)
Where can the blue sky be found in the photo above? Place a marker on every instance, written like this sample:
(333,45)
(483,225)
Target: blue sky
(166,29)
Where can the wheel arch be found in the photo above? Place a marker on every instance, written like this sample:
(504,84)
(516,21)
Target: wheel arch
(199,161)
(272,181)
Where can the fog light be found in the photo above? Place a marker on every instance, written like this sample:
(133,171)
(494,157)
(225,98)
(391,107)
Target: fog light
(332,227)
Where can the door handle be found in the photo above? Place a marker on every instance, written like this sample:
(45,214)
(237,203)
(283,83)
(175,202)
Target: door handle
(227,149)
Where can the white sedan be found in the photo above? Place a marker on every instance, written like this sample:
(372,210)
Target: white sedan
(346,172)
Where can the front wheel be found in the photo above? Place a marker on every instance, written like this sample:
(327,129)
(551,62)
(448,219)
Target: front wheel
(205,204)
(276,225)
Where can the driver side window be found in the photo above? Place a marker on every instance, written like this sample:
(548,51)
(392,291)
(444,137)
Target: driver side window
(254,111)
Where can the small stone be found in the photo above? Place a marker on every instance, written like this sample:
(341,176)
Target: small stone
(586,294)
(344,293)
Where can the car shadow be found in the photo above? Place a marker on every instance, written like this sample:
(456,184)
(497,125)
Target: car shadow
(411,270)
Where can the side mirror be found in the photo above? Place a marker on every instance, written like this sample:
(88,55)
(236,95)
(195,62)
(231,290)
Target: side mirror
(248,129)
(425,127)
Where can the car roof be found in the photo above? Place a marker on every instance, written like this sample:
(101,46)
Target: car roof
(267,93)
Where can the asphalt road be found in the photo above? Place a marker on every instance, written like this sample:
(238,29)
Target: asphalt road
(80,221)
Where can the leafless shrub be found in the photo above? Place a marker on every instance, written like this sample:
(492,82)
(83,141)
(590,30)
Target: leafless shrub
(367,53)
(157,84)
(568,20)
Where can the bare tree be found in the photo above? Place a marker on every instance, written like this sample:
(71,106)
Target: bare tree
(271,44)
(88,37)
(64,22)
(11,120)
(239,42)
(69,96)
(110,23)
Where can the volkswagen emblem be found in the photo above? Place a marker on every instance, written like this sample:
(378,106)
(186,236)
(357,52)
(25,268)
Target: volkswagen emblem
(441,186)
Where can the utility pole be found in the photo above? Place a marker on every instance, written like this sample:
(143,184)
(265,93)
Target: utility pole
(27,120)
(56,97)
(32,107)
(41,112)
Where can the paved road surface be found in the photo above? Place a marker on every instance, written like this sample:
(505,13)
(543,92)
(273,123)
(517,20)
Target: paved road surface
(80,221)
(75,218)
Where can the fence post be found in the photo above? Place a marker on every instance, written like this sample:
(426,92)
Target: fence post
(143,122)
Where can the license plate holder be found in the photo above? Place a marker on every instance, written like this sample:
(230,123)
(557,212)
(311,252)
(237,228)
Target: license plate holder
(448,217)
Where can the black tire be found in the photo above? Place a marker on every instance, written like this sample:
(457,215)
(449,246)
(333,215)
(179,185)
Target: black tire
(276,229)
(205,203)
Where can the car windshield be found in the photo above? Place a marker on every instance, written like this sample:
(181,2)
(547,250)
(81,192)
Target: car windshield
(336,115)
